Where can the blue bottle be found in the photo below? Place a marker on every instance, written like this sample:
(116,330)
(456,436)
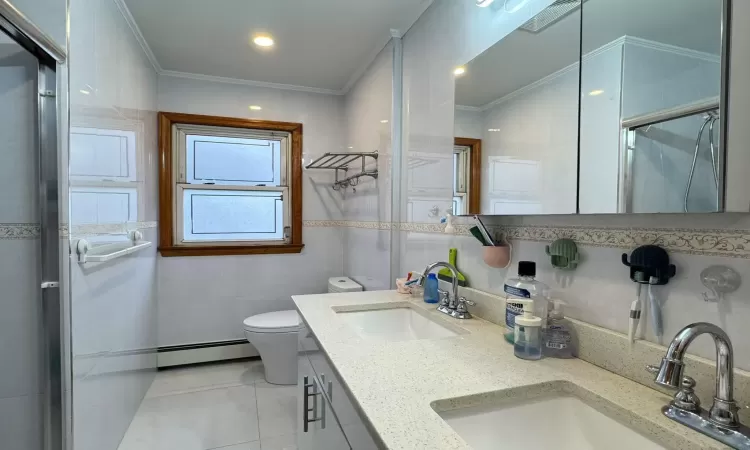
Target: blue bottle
(431,289)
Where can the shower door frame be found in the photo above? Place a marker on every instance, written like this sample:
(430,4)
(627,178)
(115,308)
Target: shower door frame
(627,134)
(50,57)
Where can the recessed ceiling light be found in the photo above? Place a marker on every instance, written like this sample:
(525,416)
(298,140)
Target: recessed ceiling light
(484,3)
(263,40)
(596,92)
(384,121)
(459,71)
(492,130)
(255,107)
(350,148)
(84,92)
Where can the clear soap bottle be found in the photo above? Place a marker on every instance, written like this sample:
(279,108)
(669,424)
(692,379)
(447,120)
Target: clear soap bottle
(527,342)
(559,338)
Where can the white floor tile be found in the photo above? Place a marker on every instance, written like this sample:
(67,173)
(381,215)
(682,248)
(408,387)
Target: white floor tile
(277,409)
(244,446)
(285,442)
(195,421)
(210,376)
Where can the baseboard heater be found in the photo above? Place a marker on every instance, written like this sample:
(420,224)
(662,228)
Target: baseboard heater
(180,355)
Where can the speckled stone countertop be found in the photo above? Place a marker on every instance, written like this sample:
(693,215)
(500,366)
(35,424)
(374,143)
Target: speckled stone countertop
(397,384)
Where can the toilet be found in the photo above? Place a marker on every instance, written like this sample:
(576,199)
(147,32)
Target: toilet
(274,335)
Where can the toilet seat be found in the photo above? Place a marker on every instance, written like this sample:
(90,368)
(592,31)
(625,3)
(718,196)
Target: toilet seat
(273,322)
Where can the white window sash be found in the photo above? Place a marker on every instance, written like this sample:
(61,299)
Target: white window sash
(180,213)
(181,131)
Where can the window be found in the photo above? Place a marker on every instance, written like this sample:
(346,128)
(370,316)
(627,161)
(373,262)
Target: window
(229,186)
(467,159)
(104,167)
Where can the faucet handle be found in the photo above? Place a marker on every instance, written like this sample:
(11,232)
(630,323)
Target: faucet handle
(685,398)
(462,302)
(444,297)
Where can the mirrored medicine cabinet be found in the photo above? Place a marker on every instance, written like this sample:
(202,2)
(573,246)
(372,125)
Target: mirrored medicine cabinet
(596,107)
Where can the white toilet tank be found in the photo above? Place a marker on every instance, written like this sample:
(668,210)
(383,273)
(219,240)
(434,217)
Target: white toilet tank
(343,284)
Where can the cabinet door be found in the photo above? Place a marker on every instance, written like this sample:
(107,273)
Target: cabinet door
(343,409)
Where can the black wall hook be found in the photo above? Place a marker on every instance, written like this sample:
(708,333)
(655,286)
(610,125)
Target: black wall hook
(649,261)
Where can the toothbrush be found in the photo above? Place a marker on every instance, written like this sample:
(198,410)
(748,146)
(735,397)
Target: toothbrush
(656,322)
(635,313)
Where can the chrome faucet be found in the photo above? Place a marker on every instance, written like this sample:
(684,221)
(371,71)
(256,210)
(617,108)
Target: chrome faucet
(452,305)
(721,422)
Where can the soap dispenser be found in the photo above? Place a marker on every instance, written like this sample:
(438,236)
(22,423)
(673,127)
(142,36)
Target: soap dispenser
(527,342)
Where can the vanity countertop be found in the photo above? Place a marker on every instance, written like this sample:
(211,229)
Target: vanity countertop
(394,383)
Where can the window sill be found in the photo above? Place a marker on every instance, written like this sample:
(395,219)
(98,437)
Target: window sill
(224,250)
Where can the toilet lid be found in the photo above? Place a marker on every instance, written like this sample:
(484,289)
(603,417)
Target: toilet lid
(273,322)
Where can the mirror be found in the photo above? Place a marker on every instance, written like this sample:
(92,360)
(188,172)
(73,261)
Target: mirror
(648,89)
(651,115)
(520,97)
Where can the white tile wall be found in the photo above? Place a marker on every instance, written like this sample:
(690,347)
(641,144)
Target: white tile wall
(113,305)
(48,15)
(600,131)
(211,303)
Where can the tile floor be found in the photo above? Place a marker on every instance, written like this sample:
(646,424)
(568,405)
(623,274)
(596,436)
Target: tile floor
(226,406)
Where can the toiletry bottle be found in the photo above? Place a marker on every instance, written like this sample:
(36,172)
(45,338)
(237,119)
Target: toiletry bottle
(559,336)
(431,289)
(528,333)
(524,287)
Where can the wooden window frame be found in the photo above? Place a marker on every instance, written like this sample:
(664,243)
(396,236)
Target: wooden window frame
(475,172)
(167,245)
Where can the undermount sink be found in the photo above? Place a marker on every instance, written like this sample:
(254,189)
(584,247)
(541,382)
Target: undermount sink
(560,421)
(395,322)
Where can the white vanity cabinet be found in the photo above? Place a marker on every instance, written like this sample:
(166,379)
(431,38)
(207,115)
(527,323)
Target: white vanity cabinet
(327,419)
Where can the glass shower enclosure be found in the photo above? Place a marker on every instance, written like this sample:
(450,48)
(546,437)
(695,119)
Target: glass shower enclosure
(32,411)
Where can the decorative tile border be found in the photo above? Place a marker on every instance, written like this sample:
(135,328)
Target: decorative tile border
(67,230)
(728,243)
(706,242)
(15,231)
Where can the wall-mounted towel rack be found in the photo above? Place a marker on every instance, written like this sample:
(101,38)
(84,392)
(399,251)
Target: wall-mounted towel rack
(343,162)
(107,252)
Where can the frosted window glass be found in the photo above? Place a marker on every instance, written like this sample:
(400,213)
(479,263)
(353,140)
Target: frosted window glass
(227,160)
(217,215)
(103,205)
(98,155)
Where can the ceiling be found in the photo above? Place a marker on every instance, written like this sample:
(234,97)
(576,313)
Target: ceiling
(522,57)
(321,44)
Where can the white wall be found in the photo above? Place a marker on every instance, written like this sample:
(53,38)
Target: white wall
(530,148)
(203,299)
(113,305)
(367,252)
(469,124)
(600,131)
(49,15)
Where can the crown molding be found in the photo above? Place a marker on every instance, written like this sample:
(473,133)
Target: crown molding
(264,84)
(682,51)
(138,35)
(469,108)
